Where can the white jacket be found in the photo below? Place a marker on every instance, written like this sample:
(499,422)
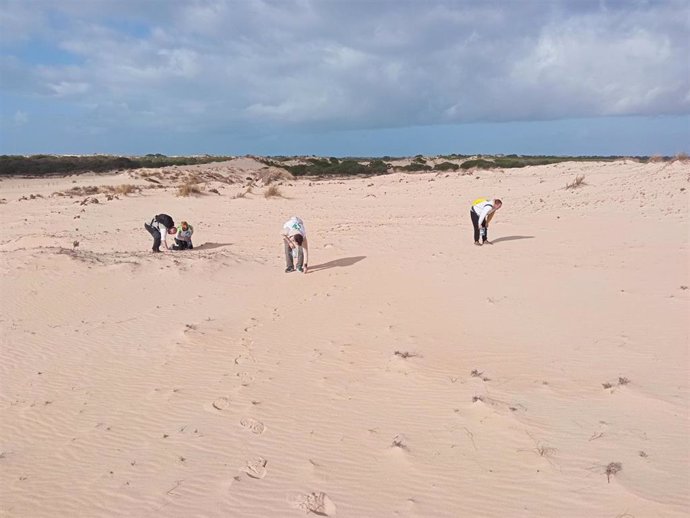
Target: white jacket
(483,209)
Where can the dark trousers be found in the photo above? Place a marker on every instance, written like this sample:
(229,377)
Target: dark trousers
(475,224)
(181,244)
(156,234)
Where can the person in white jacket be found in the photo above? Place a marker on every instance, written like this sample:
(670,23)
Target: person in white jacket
(482,212)
(296,245)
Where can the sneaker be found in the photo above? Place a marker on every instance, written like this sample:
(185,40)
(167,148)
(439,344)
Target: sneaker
(289,269)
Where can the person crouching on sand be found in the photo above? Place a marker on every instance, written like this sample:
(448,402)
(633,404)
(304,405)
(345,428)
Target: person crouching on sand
(482,212)
(159,228)
(183,239)
(296,245)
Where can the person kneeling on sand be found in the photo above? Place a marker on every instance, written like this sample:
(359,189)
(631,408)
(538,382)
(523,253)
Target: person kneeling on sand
(183,239)
(159,228)
(482,212)
(296,245)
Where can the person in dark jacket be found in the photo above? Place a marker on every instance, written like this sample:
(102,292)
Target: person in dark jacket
(159,228)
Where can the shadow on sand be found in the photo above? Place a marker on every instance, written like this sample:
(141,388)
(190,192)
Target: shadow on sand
(511,238)
(211,246)
(345,261)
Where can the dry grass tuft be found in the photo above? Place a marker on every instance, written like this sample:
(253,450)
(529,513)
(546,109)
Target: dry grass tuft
(476,374)
(244,193)
(612,469)
(681,157)
(622,380)
(404,354)
(188,189)
(273,192)
(579,181)
(126,189)
(399,442)
(268,176)
(656,158)
(545,451)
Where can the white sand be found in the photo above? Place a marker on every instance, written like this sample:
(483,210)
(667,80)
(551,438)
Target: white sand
(210,383)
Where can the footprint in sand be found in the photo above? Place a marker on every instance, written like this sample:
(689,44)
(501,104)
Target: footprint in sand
(218,405)
(253,425)
(317,503)
(256,467)
(245,378)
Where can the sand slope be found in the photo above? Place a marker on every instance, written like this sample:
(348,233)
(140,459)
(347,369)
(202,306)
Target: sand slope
(210,383)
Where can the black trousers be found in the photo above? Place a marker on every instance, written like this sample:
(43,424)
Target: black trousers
(180,244)
(475,224)
(156,234)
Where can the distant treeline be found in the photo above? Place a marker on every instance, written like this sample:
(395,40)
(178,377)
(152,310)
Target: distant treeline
(46,165)
(332,167)
(374,166)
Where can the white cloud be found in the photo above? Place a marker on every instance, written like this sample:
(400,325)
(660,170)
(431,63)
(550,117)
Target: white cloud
(357,64)
(20,118)
(68,88)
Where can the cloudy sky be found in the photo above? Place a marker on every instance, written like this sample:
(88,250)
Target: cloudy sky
(345,77)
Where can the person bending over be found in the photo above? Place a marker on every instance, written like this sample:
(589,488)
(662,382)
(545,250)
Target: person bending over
(159,228)
(296,245)
(482,212)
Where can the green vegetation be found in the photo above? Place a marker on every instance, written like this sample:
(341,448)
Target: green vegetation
(335,167)
(446,166)
(44,165)
(416,166)
(513,161)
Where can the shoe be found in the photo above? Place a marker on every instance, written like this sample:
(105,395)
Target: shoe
(477,243)
(299,269)
(289,269)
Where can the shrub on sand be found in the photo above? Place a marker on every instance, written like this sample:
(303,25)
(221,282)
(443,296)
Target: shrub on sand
(446,166)
(188,188)
(681,157)
(273,192)
(243,194)
(126,189)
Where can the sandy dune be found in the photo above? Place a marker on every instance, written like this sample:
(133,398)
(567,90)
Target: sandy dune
(210,383)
